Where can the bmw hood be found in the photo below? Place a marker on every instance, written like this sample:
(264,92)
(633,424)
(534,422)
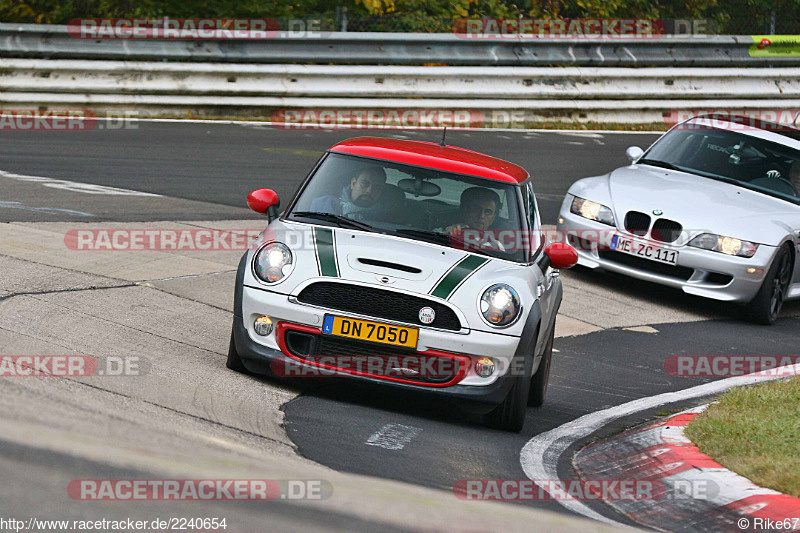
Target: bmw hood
(699,204)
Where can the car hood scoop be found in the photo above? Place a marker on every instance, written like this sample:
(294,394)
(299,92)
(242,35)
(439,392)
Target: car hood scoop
(378,263)
(370,256)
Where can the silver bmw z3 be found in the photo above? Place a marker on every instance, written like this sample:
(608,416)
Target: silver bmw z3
(711,208)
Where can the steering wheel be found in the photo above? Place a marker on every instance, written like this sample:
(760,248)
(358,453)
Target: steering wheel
(767,181)
(785,182)
(790,184)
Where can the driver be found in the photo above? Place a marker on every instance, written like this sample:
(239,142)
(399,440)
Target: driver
(479,208)
(794,176)
(357,199)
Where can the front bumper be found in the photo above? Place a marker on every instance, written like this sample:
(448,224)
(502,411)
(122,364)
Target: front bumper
(702,273)
(260,359)
(261,354)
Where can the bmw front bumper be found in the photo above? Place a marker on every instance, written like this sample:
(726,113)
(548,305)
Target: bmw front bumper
(704,273)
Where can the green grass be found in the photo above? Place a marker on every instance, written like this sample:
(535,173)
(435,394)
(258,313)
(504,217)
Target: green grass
(755,431)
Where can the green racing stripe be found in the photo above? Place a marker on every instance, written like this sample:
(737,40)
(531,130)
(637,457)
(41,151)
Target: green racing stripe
(326,252)
(460,272)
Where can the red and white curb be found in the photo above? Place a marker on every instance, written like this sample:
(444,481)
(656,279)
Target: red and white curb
(541,456)
(700,494)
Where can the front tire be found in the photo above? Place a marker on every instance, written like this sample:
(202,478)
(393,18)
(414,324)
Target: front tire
(510,415)
(766,306)
(542,376)
(234,362)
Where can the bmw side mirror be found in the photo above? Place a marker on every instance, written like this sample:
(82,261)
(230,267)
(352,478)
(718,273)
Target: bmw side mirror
(264,201)
(561,255)
(633,153)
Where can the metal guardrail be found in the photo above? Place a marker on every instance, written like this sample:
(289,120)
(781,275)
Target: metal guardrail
(546,80)
(53,42)
(251,90)
(398,82)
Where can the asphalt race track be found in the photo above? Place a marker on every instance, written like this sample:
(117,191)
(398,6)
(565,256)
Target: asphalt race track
(191,417)
(219,164)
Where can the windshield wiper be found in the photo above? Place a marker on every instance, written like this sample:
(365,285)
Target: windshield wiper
(434,236)
(670,166)
(442,238)
(340,220)
(662,164)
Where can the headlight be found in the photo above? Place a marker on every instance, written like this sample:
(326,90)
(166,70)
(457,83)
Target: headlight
(273,262)
(725,245)
(592,211)
(500,305)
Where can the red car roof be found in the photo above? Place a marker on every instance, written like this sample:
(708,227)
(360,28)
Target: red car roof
(432,155)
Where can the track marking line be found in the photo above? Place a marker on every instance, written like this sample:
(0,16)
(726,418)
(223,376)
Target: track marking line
(641,329)
(18,205)
(75,186)
(540,456)
(393,436)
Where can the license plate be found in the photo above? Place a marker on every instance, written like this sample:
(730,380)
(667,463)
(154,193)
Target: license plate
(654,252)
(367,330)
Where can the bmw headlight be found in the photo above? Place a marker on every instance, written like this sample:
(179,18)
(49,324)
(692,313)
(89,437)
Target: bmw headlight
(725,245)
(273,262)
(592,211)
(500,305)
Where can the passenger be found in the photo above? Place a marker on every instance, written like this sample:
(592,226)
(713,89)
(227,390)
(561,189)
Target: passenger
(359,198)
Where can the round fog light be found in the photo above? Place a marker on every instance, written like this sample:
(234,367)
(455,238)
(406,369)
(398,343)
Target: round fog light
(484,367)
(263,325)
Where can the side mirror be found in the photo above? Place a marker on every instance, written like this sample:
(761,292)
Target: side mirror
(264,201)
(561,255)
(633,153)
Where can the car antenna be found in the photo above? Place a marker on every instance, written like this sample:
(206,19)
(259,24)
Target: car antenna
(444,134)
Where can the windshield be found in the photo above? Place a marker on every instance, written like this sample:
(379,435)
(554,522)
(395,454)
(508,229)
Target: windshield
(731,156)
(454,210)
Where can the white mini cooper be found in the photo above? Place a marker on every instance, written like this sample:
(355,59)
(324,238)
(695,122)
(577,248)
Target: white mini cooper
(414,265)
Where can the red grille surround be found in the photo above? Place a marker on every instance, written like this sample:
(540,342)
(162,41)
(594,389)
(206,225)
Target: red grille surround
(464,361)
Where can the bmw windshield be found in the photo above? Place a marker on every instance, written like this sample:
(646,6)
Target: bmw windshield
(731,156)
(444,208)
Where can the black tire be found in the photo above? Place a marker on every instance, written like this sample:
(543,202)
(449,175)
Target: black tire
(234,362)
(766,306)
(542,376)
(510,414)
